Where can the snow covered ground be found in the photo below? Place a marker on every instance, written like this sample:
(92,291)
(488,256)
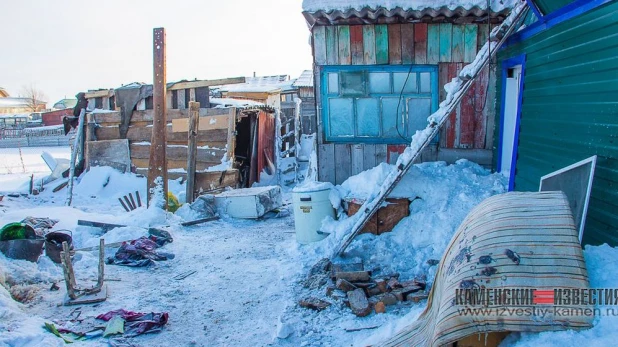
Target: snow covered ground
(248,274)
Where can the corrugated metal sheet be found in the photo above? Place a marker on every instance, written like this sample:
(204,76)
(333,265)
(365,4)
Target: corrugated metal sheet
(570,110)
(305,80)
(400,15)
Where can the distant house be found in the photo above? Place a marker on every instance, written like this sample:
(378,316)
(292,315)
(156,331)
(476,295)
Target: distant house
(65,104)
(558,103)
(3,93)
(379,72)
(304,84)
(12,106)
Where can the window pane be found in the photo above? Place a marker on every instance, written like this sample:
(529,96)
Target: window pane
(341,113)
(425,82)
(399,78)
(352,83)
(390,117)
(418,111)
(379,82)
(368,117)
(333,83)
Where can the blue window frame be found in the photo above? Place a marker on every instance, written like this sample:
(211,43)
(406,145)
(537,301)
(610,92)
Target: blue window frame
(377,104)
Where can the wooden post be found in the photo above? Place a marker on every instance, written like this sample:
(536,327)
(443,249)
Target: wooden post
(158,142)
(194,119)
(231,135)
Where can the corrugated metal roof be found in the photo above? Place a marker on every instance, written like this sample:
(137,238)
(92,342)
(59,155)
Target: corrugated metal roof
(261,84)
(305,79)
(342,12)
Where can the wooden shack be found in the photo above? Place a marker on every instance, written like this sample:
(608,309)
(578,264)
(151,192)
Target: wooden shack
(234,144)
(379,72)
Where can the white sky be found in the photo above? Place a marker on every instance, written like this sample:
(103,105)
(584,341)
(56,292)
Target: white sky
(67,46)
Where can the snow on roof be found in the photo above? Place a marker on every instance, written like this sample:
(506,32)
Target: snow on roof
(262,84)
(411,5)
(229,102)
(305,79)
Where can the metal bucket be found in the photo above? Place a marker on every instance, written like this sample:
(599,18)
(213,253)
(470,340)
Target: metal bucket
(53,244)
(23,249)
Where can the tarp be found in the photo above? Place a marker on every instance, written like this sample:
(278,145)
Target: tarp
(510,241)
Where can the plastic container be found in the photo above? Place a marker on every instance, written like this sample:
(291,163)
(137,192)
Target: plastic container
(311,206)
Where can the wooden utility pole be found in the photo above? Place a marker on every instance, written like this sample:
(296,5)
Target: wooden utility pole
(158,142)
(194,120)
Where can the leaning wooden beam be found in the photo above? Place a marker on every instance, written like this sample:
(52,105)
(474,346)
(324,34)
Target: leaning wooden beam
(158,164)
(74,155)
(206,83)
(457,89)
(194,118)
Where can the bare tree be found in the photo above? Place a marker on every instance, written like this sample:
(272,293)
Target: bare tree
(34,97)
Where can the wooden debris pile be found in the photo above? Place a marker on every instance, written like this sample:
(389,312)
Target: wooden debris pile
(359,289)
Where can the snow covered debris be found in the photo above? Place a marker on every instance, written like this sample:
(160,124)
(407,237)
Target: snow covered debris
(415,5)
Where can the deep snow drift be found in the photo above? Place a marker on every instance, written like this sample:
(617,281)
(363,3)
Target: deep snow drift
(247,274)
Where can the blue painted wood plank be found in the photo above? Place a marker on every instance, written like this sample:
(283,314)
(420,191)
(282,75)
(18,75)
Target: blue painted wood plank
(332,47)
(446,42)
(345,54)
(319,45)
(433,43)
(459,44)
(381,44)
(470,42)
(369,44)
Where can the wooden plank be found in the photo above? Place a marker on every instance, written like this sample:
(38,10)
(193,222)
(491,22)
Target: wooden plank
(158,134)
(447,133)
(141,105)
(446,42)
(481,97)
(194,119)
(113,153)
(455,116)
(191,96)
(168,99)
(326,163)
(490,112)
(420,43)
(407,43)
(458,44)
(205,83)
(319,45)
(231,134)
(205,181)
(105,119)
(433,43)
(470,42)
(357,159)
(205,123)
(483,34)
(99,94)
(204,155)
(394,44)
(381,153)
(345,51)
(143,134)
(381,44)
(343,163)
(356,44)
(369,44)
(332,46)
(175,164)
(369,156)
(181,99)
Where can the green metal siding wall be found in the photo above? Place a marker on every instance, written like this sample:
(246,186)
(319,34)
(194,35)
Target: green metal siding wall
(549,6)
(570,110)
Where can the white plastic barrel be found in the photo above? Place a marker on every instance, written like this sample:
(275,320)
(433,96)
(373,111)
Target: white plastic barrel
(311,206)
